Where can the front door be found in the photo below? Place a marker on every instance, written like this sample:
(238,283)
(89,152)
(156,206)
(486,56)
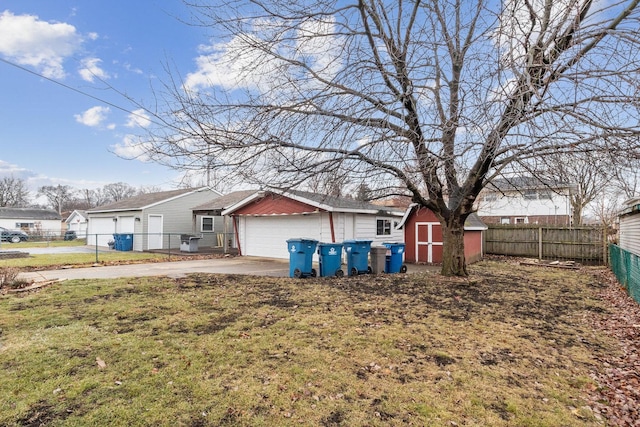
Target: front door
(155,232)
(429,242)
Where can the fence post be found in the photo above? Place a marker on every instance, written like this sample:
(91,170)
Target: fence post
(540,243)
(96,244)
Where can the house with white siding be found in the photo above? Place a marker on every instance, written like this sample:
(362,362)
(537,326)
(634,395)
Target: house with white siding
(264,221)
(33,221)
(629,231)
(156,220)
(525,200)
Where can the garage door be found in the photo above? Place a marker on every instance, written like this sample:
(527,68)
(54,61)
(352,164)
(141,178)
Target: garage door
(267,237)
(103,228)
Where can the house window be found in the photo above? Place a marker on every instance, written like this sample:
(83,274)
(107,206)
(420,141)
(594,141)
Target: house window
(505,220)
(521,220)
(530,194)
(544,195)
(207,223)
(490,197)
(383,227)
(24,225)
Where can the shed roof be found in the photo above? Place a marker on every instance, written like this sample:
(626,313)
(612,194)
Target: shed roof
(29,213)
(147,200)
(473,221)
(320,201)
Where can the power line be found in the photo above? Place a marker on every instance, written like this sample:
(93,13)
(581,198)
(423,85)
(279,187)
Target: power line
(111,104)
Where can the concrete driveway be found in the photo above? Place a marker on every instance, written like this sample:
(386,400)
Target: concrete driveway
(238,265)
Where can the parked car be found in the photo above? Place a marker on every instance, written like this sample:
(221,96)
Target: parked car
(13,236)
(70,235)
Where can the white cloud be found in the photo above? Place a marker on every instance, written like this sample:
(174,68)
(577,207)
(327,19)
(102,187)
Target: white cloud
(94,116)
(90,70)
(242,63)
(138,118)
(10,170)
(43,45)
(131,148)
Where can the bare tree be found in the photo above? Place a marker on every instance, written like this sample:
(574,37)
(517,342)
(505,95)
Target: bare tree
(13,192)
(118,191)
(589,174)
(440,95)
(57,195)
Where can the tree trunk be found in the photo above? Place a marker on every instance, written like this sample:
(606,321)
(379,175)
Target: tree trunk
(453,261)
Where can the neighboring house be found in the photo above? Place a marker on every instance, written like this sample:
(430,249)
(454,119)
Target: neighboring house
(423,236)
(35,222)
(217,230)
(155,219)
(77,221)
(525,200)
(629,231)
(265,220)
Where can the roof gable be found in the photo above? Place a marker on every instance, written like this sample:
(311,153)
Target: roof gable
(275,204)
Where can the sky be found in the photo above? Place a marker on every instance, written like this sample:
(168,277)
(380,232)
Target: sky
(65,68)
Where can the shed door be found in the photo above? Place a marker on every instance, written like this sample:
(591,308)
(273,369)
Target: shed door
(155,232)
(428,242)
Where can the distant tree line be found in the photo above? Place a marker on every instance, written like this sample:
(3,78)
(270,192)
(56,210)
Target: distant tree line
(14,192)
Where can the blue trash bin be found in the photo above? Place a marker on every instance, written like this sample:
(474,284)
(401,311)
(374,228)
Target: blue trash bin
(123,242)
(116,242)
(126,242)
(330,259)
(393,262)
(301,257)
(357,256)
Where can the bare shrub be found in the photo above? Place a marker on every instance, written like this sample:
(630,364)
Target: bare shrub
(8,276)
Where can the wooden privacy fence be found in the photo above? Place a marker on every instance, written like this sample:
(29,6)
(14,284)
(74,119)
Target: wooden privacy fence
(587,245)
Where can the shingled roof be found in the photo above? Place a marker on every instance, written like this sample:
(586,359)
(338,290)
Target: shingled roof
(29,213)
(144,200)
(322,201)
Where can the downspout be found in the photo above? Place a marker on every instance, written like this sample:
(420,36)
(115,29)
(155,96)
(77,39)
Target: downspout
(333,231)
(235,229)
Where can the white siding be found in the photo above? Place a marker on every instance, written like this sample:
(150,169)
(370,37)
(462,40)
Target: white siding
(513,203)
(630,233)
(366,229)
(177,217)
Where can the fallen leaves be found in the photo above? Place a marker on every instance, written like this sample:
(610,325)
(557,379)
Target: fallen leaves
(618,395)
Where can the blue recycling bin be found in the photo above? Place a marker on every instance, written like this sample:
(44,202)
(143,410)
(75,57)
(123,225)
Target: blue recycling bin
(123,242)
(393,262)
(357,256)
(301,257)
(126,242)
(116,242)
(330,259)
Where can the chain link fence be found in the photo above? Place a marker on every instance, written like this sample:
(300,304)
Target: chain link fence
(626,267)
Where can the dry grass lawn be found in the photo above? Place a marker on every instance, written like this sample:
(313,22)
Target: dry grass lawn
(510,346)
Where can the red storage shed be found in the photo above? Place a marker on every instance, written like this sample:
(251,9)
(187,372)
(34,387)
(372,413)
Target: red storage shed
(423,236)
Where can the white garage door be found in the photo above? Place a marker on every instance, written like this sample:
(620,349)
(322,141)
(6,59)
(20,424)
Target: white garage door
(267,236)
(104,228)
